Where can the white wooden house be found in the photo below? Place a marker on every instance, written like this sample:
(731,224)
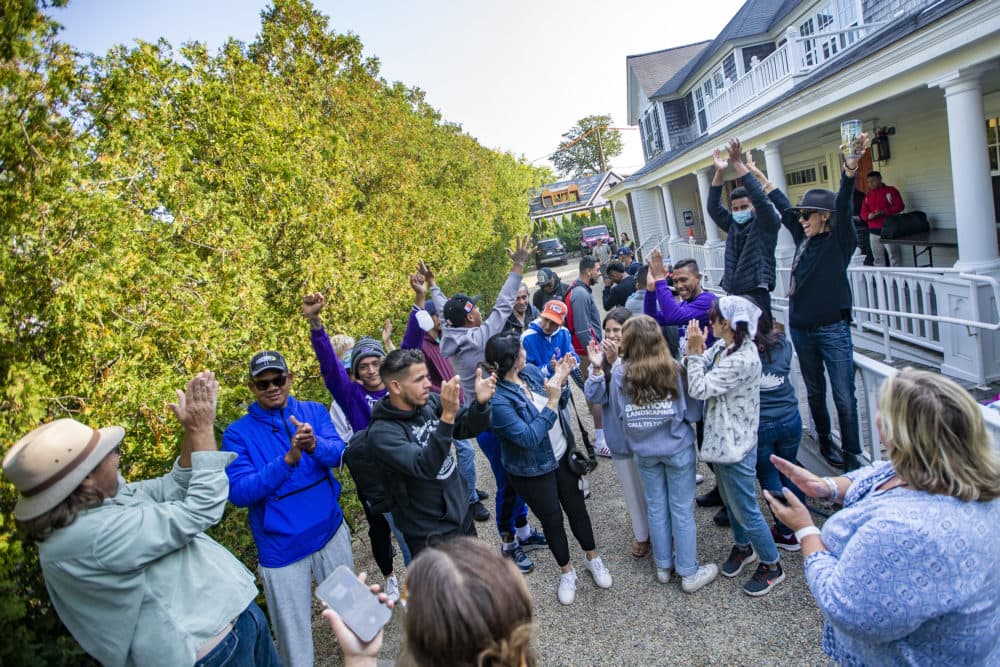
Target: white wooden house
(781,76)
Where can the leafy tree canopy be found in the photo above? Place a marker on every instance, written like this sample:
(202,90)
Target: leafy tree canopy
(162,212)
(588,147)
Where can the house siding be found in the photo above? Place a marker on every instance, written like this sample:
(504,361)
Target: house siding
(650,223)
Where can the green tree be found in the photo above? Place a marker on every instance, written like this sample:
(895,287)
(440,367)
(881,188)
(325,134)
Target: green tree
(164,212)
(588,147)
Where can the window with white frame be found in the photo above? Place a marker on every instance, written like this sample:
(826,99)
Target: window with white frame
(699,107)
(993,146)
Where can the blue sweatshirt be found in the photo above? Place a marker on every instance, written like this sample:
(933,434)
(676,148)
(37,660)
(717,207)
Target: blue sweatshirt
(539,348)
(294,510)
(777,394)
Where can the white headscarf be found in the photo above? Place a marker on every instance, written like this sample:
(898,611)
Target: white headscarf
(737,309)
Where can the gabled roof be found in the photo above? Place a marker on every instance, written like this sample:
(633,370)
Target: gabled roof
(653,69)
(895,31)
(590,187)
(755,17)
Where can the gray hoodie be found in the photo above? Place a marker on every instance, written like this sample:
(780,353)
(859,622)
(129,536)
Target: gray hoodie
(465,346)
(662,428)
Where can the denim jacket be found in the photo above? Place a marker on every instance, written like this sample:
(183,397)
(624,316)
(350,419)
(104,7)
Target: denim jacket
(522,430)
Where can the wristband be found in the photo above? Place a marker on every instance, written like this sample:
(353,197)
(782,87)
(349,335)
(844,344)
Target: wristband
(834,491)
(802,533)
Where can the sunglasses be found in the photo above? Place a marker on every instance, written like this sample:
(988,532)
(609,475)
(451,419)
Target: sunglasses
(279,381)
(806,213)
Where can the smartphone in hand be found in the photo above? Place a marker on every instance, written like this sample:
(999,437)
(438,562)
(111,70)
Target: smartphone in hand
(354,602)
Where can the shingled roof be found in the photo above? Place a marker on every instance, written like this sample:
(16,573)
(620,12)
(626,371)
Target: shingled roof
(590,187)
(647,72)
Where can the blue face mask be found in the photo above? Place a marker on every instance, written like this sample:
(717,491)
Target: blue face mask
(742,216)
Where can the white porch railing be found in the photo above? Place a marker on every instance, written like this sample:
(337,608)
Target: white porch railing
(799,55)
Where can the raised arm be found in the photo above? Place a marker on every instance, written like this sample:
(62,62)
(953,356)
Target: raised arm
(767,215)
(719,213)
(334,374)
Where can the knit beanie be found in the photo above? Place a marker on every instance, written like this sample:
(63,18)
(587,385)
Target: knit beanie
(364,348)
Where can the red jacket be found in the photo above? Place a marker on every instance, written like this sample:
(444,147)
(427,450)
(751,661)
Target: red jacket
(886,199)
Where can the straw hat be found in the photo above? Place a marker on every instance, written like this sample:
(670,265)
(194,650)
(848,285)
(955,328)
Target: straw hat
(49,463)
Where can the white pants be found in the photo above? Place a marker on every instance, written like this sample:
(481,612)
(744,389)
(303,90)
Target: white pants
(289,589)
(635,497)
(875,240)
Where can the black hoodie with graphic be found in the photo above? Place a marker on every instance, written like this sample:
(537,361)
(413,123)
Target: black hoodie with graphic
(429,495)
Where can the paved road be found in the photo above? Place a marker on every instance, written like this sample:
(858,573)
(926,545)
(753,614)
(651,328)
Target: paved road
(640,621)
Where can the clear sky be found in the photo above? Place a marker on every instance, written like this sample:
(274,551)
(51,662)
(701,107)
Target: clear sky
(516,75)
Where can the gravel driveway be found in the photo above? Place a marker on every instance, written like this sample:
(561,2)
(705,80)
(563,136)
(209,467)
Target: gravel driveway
(640,621)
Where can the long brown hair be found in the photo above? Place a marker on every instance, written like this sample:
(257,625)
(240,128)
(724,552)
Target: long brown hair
(467,606)
(651,373)
(936,437)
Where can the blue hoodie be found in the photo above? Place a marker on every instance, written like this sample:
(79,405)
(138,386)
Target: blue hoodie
(294,510)
(539,348)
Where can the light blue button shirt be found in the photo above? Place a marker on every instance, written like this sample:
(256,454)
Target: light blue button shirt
(136,581)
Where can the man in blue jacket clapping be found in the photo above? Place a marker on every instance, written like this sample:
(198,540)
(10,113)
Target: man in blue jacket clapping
(285,449)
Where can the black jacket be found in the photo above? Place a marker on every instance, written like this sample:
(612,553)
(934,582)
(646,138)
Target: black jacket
(750,247)
(541,298)
(430,497)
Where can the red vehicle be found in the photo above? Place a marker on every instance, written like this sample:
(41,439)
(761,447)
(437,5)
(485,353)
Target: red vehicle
(589,236)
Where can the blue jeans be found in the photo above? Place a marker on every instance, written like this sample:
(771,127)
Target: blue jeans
(467,467)
(668,482)
(247,645)
(404,549)
(511,511)
(738,487)
(781,438)
(830,346)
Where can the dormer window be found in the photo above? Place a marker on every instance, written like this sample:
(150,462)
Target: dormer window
(552,198)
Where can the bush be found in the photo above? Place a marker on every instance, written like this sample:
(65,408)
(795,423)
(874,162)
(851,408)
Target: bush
(167,212)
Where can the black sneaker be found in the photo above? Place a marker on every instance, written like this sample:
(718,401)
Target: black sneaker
(517,555)
(479,512)
(482,494)
(534,541)
(830,452)
(739,557)
(721,517)
(764,579)
(710,499)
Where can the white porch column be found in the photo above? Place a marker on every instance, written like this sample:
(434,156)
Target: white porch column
(713,262)
(668,208)
(785,250)
(970,170)
(711,230)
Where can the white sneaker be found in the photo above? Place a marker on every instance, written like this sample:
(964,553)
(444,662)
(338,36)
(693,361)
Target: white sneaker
(567,587)
(663,574)
(599,572)
(585,487)
(705,575)
(699,478)
(392,587)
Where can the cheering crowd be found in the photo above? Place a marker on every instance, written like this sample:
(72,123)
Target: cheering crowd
(902,572)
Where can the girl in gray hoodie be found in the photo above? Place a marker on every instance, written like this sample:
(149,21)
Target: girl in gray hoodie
(647,397)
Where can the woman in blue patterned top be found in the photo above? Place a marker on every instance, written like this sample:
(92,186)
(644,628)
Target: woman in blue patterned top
(907,572)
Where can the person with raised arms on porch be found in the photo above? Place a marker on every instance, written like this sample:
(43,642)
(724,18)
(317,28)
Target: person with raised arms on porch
(819,306)
(751,225)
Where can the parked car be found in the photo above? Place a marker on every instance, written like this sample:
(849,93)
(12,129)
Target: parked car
(550,251)
(589,236)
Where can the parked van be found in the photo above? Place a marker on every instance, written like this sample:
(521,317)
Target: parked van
(589,236)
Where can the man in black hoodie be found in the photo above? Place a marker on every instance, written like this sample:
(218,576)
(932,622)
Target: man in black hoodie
(411,434)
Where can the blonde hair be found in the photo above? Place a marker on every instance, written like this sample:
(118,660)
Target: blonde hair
(341,343)
(936,437)
(651,373)
(466,606)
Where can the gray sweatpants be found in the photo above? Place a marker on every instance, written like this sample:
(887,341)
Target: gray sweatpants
(289,589)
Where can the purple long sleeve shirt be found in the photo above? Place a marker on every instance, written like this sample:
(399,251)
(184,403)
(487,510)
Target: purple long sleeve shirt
(352,398)
(661,305)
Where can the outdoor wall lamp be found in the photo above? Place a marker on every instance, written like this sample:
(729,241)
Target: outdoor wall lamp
(880,144)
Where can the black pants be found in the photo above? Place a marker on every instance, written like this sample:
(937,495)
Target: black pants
(380,536)
(418,544)
(761,297)
(545,494)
